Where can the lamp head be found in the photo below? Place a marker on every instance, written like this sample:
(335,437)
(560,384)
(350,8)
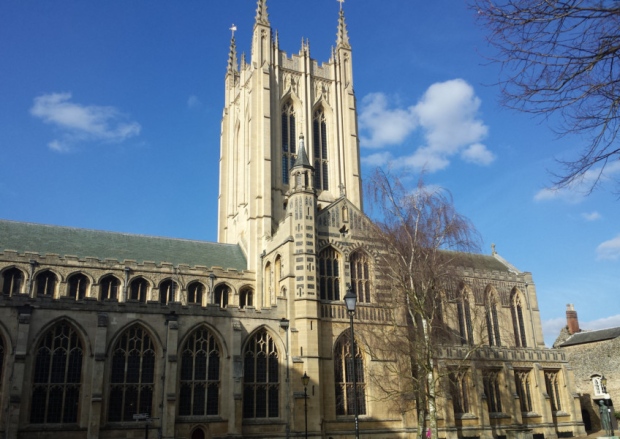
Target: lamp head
(305,379)
(284,323)
(603,381)
(350,299)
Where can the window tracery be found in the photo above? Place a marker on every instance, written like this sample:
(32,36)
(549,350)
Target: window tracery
(319,139)
(132,377)
(329,274)
(46,283)
(109,286)
(360,277)
(200,375)
(57,376)
(78,286)
(343,374)
(12,281)
(288,140)
(261,384)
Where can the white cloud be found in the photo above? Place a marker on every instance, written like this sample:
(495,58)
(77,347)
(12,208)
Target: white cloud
(478,154)
(378,159)
(81,123)
(447,117)
(609,249)
(386,126)
(579,189)
(193,102)
(551,329)
(591,216)
(602,323)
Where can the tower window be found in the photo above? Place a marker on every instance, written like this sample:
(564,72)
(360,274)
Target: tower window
(319,139)
(360,281)
(329,274)
(288,140)
(492,390)
(460,395)
(464,315)
(522,380)
(492,321)
(553,389)
(343,373)
(518,323)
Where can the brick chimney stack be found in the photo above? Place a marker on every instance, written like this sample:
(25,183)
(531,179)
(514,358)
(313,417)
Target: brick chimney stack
(571,319)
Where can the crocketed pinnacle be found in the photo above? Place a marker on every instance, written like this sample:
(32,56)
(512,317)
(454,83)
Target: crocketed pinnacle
(232,56)
(261,13)
(343,35)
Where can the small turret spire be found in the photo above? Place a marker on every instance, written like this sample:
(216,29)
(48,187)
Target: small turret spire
(342,34)
(232,54)
(302,158)
(261,13)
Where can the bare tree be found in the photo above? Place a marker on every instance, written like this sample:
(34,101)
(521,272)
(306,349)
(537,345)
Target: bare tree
(561,57)
(419,241)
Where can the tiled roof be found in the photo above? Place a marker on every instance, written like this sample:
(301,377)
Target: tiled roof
(479,262)
(592,336)
(83,243)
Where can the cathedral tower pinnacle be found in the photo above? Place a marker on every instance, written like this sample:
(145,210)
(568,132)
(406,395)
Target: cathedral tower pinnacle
(270,100)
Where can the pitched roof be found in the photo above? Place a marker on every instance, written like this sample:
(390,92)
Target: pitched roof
(83,243)
(592,336)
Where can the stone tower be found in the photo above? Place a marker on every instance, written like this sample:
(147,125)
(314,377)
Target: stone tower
(269,102)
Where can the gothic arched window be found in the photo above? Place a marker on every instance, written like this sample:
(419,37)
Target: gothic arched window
(261,382)
(46,283)
(57,376)
(492,391)
(195,290)
(132,379)
(288,140)
(319,139)
(343,374)
(492,320)
(12,281)
(167,291)
(360,279)
(522,381)
(221,295)
(109,286)
(329,274)
(277,273)
(459,393)
(553,389)
(463,310)
(246,297)
(200,375)
(138,289)
(78,286)
(518,324)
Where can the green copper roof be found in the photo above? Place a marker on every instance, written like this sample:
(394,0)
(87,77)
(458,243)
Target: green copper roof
(83,243)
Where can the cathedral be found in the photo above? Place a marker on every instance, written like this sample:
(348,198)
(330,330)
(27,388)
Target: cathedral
(111,335)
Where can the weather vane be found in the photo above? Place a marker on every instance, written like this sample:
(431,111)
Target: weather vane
(233,28)
(341,2)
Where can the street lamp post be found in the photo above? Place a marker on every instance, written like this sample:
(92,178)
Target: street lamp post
(350,300)
(284,324)
(606,410)
(305,380)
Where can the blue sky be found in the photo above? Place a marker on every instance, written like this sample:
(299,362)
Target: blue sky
(110,116)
